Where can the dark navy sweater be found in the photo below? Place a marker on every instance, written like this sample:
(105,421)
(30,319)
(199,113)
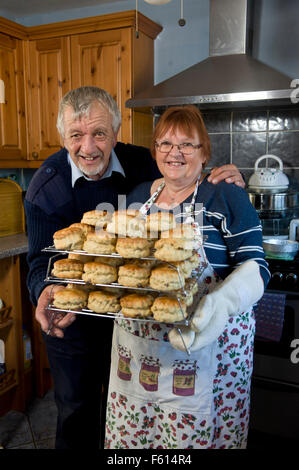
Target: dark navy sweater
(52,203)
(229,223)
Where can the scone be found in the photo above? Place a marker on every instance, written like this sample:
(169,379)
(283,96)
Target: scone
(133,247)
(194,261)
(119,291)
(83,258)
(173,249)
(103,302)
(84,227)
(132,275)
(151,240)
(100,242)
(191,285)
(159,222)
(85,287)
(70,238)
(68,269)
(96,218)
(184,267)
(185,295)
(70,299)
(183,231)
(133,212)
(168,309)
(99,273)
(166,278)
(112,260)
(136,305)
(125,224)
(146,263)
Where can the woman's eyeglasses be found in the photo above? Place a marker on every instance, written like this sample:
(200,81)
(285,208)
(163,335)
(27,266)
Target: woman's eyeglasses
(185,148)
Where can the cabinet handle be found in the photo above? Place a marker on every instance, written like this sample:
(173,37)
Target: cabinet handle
(35,155)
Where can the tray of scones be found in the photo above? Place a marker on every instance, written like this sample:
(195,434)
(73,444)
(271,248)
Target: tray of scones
(123,265)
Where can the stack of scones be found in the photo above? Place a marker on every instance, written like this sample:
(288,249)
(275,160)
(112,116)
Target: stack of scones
(123,249)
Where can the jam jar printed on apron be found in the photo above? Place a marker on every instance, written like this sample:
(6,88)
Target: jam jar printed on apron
(125,356)
(149,372)
(184,374)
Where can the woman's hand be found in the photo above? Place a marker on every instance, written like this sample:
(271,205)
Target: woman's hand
(228,173)
(236,294)
(52,322)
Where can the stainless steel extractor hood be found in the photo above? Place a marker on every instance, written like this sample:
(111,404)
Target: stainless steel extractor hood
(230,75)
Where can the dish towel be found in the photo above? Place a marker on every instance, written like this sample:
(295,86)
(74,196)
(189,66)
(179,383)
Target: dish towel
(269,316)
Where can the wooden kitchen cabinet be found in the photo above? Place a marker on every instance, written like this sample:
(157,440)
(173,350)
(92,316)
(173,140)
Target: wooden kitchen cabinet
(12,112)
(103,59)
(12,394)
(49,78)
(99,51)
(41,63)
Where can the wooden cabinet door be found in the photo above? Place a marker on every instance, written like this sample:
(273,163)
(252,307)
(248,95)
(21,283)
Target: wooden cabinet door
(103,59)
(12,112)
(49,80)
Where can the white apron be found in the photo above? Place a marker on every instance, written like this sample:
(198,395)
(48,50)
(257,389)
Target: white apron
(165,399)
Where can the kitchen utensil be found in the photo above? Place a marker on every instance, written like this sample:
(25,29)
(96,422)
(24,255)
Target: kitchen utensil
(280,249)
(272,179)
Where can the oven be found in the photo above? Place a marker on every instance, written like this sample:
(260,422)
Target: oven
(275,382)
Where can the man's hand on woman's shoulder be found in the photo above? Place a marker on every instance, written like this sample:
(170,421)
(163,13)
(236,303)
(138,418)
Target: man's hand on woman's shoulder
(229,173)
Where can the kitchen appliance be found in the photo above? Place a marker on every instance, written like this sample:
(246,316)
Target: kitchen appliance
(269,193)
(275,383)
(271,179)
(214,81)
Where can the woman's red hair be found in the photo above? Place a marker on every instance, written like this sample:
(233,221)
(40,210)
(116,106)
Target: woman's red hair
(187,119)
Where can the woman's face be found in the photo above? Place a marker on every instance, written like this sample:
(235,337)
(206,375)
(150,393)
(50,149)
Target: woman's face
(176,166)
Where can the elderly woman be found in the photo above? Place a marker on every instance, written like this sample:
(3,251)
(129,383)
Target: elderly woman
(160,397)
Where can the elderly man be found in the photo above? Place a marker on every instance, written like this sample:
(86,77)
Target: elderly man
(91,168)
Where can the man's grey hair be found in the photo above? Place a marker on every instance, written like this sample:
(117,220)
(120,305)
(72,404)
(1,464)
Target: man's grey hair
(80,99)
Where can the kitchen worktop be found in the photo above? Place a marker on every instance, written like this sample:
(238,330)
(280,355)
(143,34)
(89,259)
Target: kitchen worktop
(13,245)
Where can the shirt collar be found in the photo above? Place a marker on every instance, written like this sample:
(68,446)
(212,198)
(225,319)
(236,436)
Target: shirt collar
(114,165)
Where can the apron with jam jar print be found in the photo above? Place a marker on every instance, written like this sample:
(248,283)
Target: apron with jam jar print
(162,398)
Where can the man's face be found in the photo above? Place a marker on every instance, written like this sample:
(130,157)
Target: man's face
(90,139)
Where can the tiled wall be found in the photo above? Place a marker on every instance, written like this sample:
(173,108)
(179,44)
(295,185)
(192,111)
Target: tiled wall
(241,136)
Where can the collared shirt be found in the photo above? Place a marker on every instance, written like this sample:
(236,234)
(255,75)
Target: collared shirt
(114,165)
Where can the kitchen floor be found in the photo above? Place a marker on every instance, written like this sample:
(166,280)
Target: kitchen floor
(33,429)
(36,427)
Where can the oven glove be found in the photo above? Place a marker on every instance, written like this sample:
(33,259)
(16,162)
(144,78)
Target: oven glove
(194,341)
(236,294)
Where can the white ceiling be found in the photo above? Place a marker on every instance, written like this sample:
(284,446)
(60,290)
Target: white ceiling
(18,8)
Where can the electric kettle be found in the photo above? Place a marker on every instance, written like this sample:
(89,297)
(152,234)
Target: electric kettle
(264,178)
